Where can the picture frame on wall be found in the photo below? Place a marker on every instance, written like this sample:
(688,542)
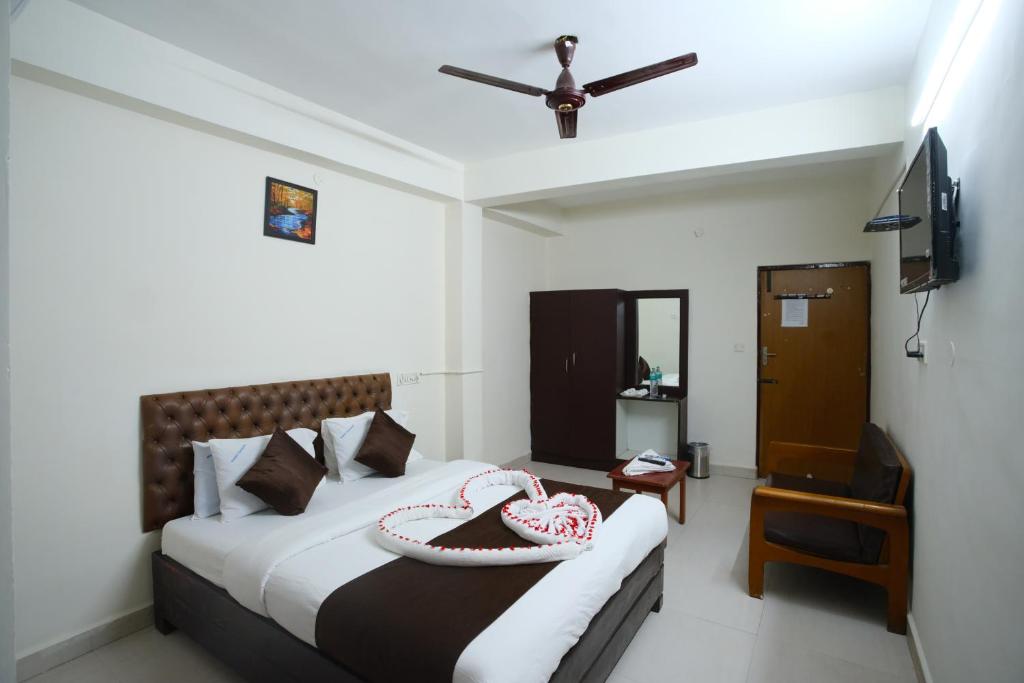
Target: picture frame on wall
(289,211)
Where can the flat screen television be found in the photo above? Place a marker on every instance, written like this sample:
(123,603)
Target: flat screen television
(927,246)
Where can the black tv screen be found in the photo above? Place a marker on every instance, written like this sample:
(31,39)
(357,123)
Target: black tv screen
(927,245)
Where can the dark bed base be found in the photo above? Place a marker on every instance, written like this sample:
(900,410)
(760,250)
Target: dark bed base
(262,651)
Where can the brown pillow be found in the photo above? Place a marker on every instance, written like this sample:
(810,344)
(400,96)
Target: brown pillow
(387,446)
(285,475)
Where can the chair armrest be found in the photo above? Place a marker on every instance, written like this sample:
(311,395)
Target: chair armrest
(890,518)
(801,459)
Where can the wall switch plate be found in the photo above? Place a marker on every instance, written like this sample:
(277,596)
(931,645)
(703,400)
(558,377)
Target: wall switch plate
(739,348)
(405,378)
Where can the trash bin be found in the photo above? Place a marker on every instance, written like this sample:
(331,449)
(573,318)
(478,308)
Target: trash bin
(700,460)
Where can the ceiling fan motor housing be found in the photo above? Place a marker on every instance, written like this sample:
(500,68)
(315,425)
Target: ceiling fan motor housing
(566,96)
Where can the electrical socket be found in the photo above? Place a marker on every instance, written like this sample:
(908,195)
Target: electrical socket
(924,351)
(405,378)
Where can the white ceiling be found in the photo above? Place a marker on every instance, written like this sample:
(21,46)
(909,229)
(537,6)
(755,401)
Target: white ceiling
(376,61)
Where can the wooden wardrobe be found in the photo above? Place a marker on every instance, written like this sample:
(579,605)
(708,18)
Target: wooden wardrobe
(576,371)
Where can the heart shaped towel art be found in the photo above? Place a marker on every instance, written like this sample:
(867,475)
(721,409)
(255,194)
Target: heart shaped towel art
(563,525)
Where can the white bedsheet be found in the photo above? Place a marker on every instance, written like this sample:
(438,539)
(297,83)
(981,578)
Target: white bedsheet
(202,545)
(286,572)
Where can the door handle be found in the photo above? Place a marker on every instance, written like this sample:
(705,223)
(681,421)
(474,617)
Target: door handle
(767,380)
(567,365)
(574,359)
(765,356)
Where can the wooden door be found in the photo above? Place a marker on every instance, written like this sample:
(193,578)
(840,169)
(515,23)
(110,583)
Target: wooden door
(550,350)
(813,369)
(596,366)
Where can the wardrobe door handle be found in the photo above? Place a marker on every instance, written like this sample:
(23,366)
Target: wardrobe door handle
(574,359)
(567,365)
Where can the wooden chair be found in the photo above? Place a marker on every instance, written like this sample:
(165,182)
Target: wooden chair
(836,509)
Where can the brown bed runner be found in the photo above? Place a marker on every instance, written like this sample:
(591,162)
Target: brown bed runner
(410,621)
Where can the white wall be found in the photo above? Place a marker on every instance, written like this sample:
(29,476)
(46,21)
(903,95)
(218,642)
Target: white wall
(647,425)
(139,266)
(463,331)
(6,561)
(58,38)
(777,137)
(959,421)
(712,242)
(513,266)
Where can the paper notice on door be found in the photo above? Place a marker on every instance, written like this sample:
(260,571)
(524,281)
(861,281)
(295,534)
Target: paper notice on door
(794,312)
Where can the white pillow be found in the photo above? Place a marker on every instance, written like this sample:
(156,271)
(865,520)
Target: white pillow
(344,436)
(233,457)
(206,500)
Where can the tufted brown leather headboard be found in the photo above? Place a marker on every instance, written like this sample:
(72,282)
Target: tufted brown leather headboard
(170,422)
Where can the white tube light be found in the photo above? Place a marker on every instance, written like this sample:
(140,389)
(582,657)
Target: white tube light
(959,29)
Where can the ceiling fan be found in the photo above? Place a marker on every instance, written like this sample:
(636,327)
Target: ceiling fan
(566,99)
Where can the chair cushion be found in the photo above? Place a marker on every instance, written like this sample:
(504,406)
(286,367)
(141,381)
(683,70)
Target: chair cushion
(877,470)
(836,539)
(795,483)
(876,476)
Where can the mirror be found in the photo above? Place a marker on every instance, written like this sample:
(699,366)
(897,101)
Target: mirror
(657,335)
(657,332)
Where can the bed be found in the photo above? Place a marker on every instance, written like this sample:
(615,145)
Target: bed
(314,598)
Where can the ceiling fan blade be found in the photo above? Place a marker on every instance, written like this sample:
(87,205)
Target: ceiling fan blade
(493,80)
(644,73)
(566,123)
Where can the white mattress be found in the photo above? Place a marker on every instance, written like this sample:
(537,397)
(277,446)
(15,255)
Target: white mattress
(203,544)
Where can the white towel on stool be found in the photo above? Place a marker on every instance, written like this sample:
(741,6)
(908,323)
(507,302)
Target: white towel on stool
(637,466)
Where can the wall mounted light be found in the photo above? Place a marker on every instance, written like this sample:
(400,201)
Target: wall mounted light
(970,25)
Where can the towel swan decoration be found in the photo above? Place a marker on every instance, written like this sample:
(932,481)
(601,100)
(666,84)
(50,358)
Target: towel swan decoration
(564,525)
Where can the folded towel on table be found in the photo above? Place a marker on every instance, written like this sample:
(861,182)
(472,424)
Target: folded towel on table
(645,466)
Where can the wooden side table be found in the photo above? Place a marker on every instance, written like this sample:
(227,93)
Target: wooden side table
(656,482)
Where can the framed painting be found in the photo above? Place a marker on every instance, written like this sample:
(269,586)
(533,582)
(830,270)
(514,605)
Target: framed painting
(290,212)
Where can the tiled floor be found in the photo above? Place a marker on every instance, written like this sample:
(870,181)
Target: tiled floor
(812,626)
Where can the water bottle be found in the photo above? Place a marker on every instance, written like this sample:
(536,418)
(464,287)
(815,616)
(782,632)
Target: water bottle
(655,381)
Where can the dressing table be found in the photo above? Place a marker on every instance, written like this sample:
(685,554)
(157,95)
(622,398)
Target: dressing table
(656,335)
